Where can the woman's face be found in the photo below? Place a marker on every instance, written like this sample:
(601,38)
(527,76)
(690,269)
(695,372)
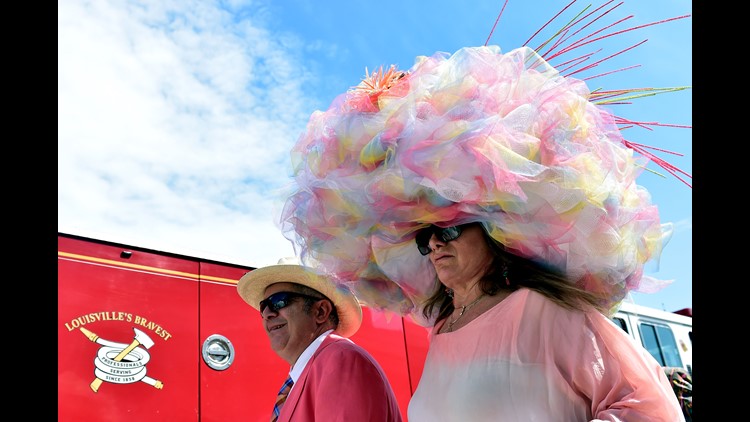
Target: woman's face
(463,261)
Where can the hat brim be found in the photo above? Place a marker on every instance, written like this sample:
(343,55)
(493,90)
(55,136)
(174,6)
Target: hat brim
(252,287)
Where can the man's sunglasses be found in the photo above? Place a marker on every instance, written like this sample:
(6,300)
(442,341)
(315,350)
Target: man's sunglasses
(444,234)
(280,300)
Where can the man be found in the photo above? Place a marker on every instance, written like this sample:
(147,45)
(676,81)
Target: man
(308,320)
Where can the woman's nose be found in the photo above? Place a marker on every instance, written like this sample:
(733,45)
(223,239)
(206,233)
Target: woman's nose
(435,242)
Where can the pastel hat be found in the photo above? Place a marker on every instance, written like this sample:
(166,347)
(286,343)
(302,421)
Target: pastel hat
(252,287)
(502,139)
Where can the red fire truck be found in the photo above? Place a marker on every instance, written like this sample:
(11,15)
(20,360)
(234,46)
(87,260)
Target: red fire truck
(150,335)
(146,335)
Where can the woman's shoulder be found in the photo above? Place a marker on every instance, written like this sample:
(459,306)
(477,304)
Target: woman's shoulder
(540,307)
(546,311)
(535,298)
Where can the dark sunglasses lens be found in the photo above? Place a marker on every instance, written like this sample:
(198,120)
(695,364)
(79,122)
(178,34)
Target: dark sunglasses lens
(449,233)
(276,301)
(446,235)
(423,240)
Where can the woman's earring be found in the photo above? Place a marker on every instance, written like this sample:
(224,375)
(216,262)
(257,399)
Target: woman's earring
(449,292)
(505,276)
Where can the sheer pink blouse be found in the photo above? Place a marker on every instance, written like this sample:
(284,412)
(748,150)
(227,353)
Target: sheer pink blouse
(528,359)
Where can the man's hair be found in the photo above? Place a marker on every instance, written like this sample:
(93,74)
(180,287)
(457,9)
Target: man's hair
(333,317)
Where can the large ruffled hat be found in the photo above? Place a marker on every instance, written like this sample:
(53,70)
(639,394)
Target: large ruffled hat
(479,135)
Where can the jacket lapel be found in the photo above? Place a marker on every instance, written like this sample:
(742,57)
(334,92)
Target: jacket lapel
(293,400)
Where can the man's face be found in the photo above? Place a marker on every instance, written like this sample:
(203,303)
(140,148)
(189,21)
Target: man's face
(290,329)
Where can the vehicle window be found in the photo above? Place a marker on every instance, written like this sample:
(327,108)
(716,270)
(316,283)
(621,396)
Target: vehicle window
(620,323)
(660,343)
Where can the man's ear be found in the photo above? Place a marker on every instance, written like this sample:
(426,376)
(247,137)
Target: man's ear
(323,310)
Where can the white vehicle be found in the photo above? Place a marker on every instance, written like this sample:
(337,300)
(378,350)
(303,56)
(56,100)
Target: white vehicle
(668,336)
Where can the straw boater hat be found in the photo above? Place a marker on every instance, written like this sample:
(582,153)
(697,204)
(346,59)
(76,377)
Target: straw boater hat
(252,287)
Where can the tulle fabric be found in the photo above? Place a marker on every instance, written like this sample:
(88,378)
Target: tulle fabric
(474,136)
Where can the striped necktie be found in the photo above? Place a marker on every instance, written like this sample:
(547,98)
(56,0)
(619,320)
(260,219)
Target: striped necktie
(281,398)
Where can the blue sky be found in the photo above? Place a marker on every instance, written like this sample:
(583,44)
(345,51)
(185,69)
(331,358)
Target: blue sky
(176,118)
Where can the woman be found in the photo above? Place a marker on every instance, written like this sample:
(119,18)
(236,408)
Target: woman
(520,188)
(516,341)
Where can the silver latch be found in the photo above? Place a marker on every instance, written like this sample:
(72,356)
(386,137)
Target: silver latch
(218,352)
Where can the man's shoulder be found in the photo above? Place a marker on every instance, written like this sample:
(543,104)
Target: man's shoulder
(335,344)
(335,341)
(342,352)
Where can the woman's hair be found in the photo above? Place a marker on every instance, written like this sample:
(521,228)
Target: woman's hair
(519,272)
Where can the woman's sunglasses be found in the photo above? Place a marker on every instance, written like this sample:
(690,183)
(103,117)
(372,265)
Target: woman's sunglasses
(281,300)
(444,234)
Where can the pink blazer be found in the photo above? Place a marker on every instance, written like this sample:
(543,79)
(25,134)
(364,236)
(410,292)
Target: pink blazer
(341,382)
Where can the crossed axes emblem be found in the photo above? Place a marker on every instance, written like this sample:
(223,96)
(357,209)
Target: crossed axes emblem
(140,339)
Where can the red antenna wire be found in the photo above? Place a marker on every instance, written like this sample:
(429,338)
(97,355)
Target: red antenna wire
(562,44)
(496,21)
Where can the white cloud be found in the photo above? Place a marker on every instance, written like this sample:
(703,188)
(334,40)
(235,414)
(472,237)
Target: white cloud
(175,122)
